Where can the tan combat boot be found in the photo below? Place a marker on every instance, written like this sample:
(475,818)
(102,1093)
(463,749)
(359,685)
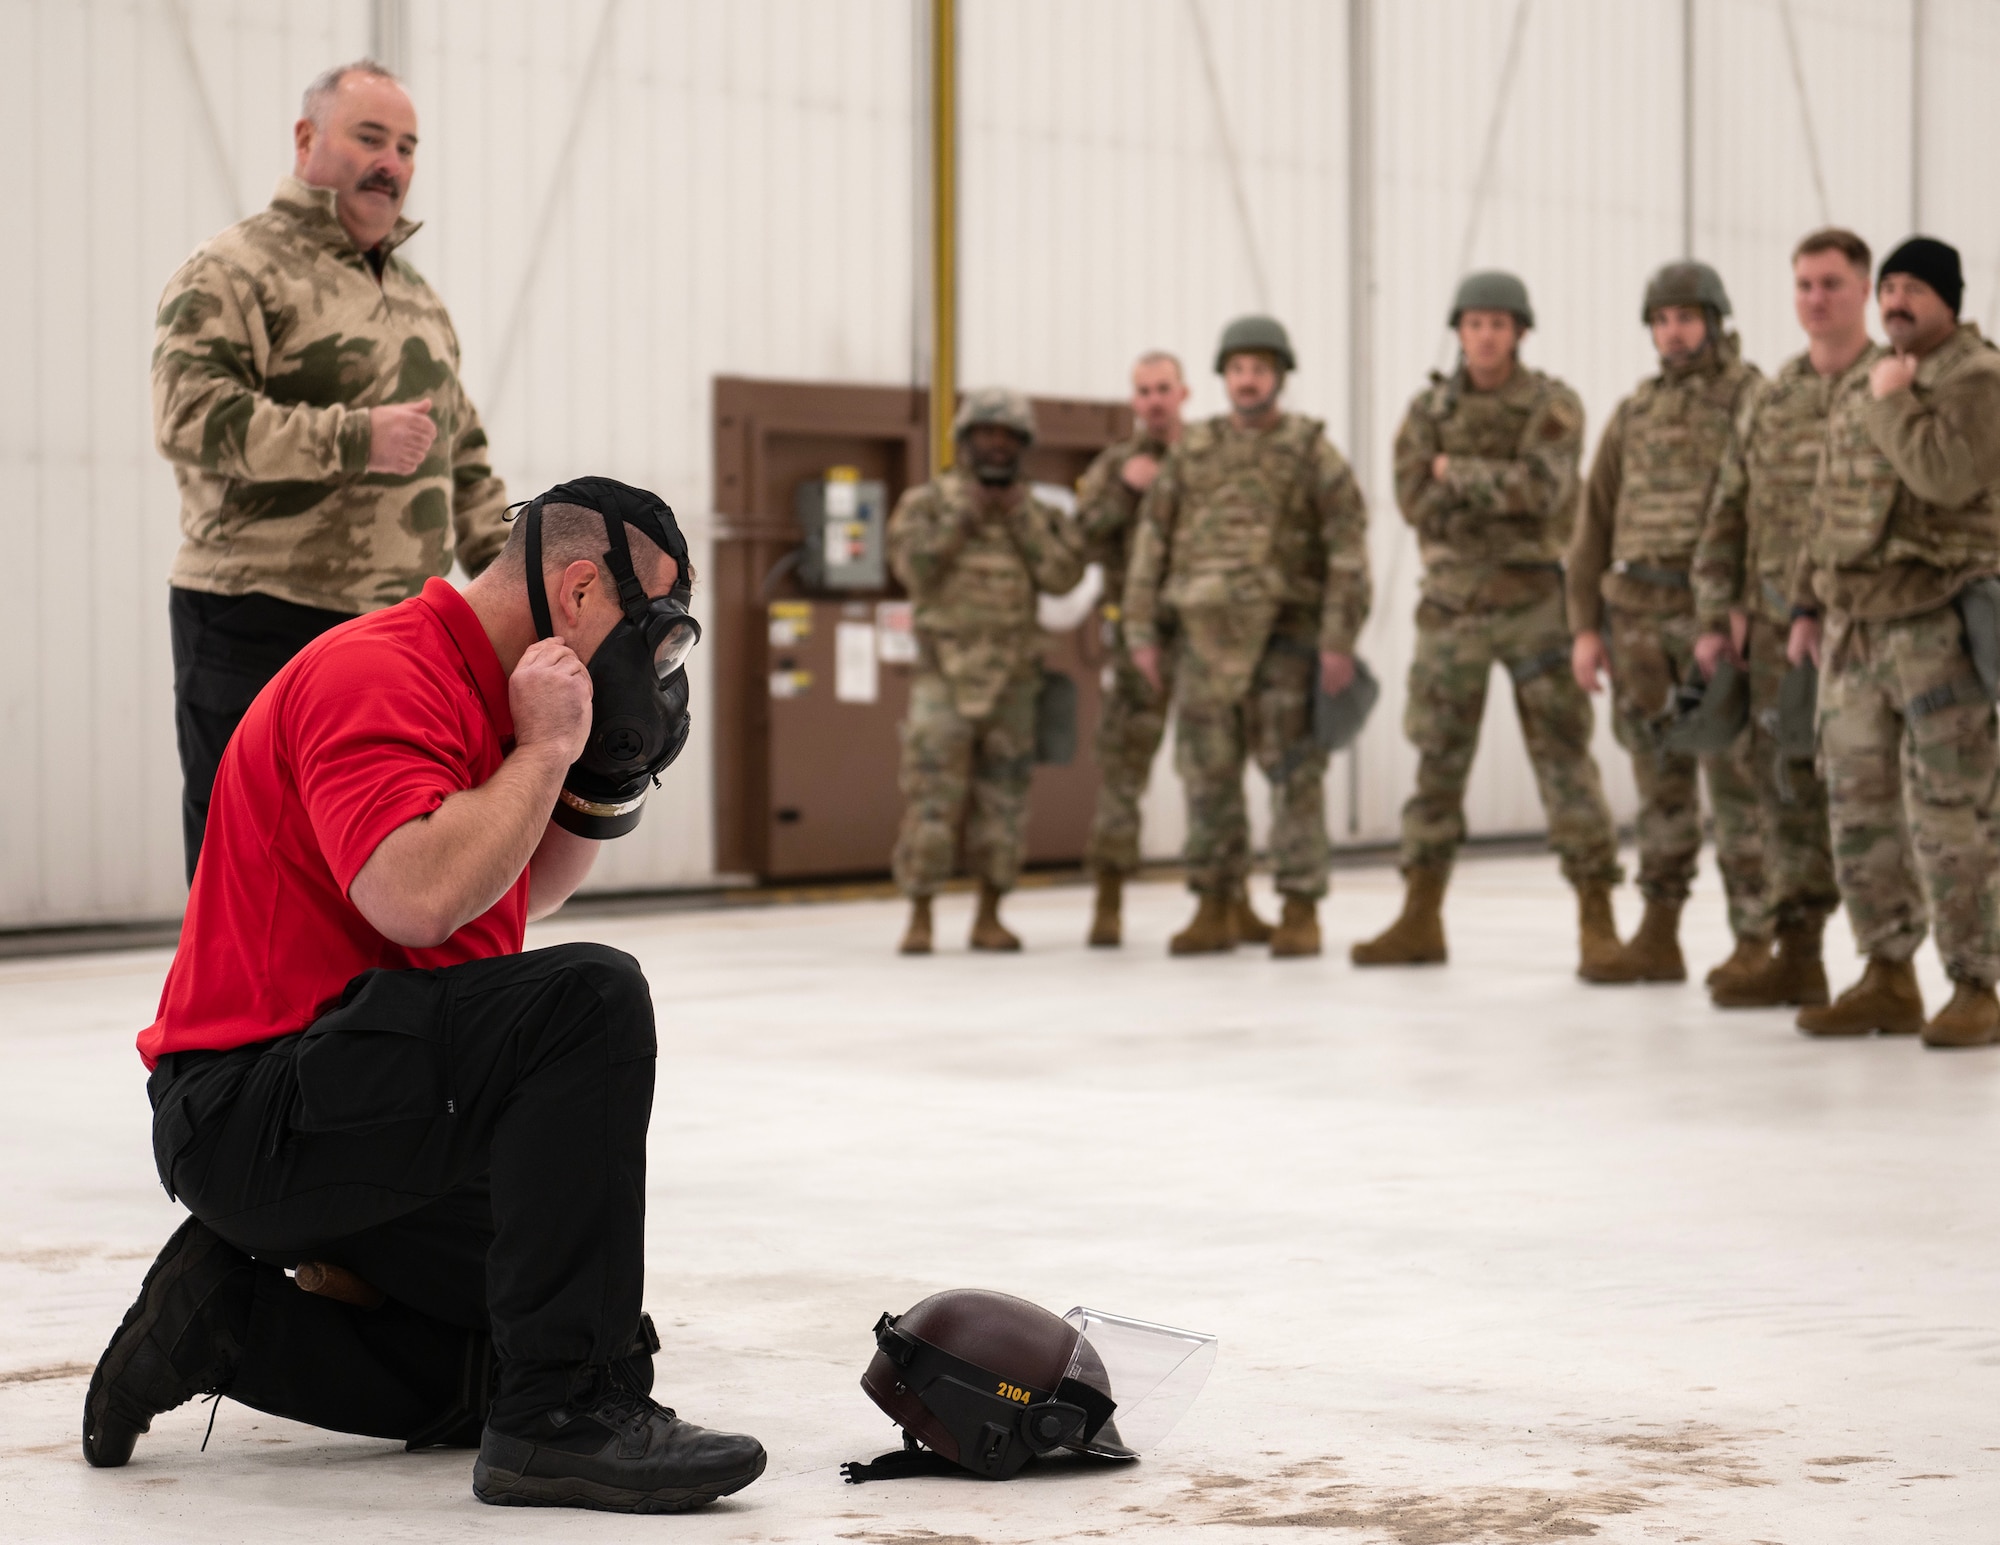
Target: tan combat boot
(1597,948)
(1794,974)
(1745,962)
(987,930)
(1297,932)
(1653,954)
(1972,1018)
(1107,924)
(1417,937)
(917,937)
(1886,1000)
(1248,927)
(1210,933)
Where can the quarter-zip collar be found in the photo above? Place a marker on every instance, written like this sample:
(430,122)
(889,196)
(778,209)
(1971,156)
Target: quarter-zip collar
(315,212)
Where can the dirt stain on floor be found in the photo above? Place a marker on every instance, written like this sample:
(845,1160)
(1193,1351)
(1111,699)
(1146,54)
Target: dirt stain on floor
(1411,1518)
(1321,1492)
(1693,1452)
(46,1372)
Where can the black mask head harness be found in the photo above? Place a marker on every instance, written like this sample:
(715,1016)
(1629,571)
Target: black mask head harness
(998,1425)
(639,718)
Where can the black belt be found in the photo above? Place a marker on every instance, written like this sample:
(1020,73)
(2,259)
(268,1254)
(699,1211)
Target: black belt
(1650,574)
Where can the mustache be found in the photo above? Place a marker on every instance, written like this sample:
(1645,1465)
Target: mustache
(1899,315)
(379,182)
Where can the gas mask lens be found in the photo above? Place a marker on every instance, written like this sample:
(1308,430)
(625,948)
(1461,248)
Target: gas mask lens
(674,633)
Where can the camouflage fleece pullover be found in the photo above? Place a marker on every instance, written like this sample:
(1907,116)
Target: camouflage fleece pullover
(272,343)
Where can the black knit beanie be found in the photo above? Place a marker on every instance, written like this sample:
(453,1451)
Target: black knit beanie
(1928,259)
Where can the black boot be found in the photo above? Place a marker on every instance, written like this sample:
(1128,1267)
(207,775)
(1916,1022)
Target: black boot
(610,1447)
(181,1339)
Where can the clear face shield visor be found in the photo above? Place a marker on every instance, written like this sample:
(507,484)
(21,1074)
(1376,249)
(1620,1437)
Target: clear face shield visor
(1153,1372)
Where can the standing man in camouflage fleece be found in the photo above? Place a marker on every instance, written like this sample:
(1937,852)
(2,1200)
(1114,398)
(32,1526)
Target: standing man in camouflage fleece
(1743,571)
(306,390)
(1254,537)
(1896,600)
(1134,718)
(1649,489)
(973,547)
(1486,471)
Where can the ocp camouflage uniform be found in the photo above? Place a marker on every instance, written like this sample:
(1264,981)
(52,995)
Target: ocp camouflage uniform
(1649,489)
(973,564)
(1256,542)
(1133,719)
(1745,561)
(1906,513)
(1492,535)
(272,343)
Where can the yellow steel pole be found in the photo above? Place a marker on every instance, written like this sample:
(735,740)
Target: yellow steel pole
(944,229)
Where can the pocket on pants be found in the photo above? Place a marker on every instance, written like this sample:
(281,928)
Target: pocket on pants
(1952,756)
(185,1106)
(382,1054)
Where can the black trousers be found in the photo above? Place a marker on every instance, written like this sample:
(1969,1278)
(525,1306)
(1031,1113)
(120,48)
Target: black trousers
(226,649)
(471,1141)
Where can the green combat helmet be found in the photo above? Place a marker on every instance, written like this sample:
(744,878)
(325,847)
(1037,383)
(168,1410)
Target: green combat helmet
(1265,335)
(1492,290)
(1686,284)
(995,405)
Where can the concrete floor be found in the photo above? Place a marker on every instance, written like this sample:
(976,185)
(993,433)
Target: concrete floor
(1493,1255)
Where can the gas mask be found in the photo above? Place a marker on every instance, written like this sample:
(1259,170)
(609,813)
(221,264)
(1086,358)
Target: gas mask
(992,466)
(639,717)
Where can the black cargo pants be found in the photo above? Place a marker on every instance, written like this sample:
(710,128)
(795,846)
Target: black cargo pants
(469,1140)
(226,649)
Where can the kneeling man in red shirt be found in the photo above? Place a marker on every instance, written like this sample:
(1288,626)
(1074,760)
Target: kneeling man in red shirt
(358,1074)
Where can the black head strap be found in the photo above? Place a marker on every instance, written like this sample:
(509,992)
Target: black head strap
(631,594)
(538,584)
(619,505)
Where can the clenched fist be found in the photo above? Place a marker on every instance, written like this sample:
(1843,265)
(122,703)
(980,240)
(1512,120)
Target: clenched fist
(1139,472)
(400,437)
(1890,374)
(549,696)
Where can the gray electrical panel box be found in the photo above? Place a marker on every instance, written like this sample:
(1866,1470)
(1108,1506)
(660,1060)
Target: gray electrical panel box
(842,521)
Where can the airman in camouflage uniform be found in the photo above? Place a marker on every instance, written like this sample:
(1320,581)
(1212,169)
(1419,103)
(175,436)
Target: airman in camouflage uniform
(1630,596)
(1743,570)
(1253,537)
(973,547)
(1133,718)
(1905,540)
(306,391)
(1486,471)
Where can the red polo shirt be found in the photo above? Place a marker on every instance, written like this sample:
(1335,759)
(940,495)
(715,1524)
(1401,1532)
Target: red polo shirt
(373,724)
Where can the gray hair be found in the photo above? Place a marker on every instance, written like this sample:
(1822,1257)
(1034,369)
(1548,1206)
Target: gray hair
(1161,357)
(312,106)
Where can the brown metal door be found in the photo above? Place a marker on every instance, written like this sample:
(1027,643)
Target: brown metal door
(806,773)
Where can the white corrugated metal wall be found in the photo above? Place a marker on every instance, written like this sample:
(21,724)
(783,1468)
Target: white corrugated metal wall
(625,199)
